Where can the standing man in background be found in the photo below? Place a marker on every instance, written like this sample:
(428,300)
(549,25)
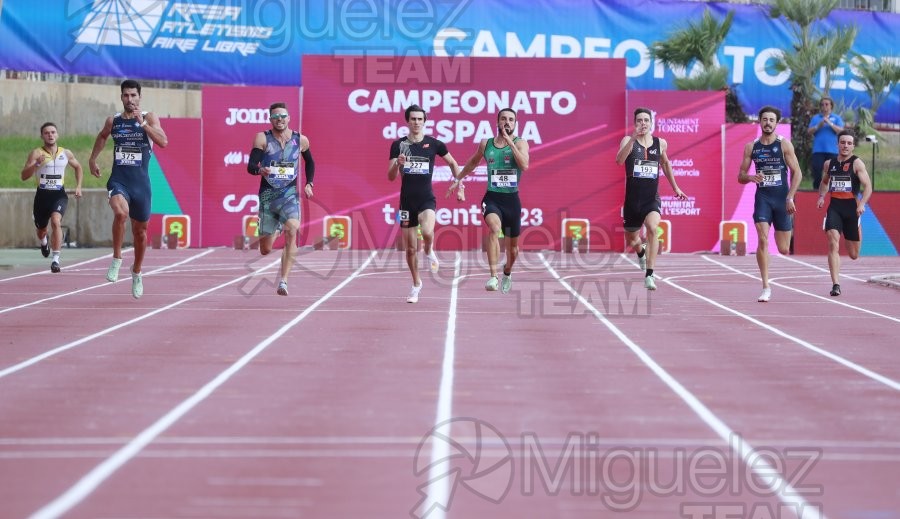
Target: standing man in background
(276,158)
(49,162)
(128,186)
(824,128)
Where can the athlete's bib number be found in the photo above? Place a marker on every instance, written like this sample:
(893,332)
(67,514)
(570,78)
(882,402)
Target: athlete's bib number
(283,171)
(52,182)
(504,178)
(841,185)
(127,156)
(646,169)
(416,166)
(771,178)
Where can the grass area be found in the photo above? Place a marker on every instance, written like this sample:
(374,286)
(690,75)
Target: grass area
(14,150)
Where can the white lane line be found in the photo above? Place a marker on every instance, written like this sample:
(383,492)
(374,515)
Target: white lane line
(47,272)
(437,500)
(47,354)
(759,464)
(810,294)
(893,384)
(93,479)
(810,265)
(105,284)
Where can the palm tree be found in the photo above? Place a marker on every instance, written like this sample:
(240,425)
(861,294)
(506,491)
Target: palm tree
(812,51)
(879,77)
(696,45)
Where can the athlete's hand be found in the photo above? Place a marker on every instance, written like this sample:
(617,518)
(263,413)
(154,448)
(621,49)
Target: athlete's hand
(791,208)
(820,202)
(453,186)
(308,191)
(95,169)
(264,171)
(38,161)
(860,209)
(679,195)
(78,192)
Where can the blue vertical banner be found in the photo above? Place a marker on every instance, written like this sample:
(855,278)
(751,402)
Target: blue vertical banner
(259,42)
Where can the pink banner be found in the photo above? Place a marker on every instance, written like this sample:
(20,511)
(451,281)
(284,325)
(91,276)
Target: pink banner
(570,111)
(232,116)
(177,189)
(691,123)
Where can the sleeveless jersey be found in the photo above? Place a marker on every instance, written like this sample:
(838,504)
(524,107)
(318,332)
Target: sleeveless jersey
(842,180)
(282,161)
(769,161)
(131,151)
(503,172)
(51,174)
(642,172)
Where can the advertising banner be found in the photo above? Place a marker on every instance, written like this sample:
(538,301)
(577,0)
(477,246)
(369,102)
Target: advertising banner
(257,42)
(570,111)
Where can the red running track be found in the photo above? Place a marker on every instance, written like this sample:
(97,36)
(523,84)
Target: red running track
(578,394)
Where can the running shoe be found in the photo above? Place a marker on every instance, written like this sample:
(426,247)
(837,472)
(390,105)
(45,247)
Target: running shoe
(113,273)
(642,261)
(45,249)
(506,283)
(835,290)
(54,267)
(765,296)
(137,285)
(435,265)
(282,288)
(414,294)
(649,284)
(492,285)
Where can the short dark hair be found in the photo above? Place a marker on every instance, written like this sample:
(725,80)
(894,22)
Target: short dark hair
(415,108)
(130,83)
(274,106)
(642,111)
(826,98)
(510,110)
(847,132)
(46,125)
(772,109)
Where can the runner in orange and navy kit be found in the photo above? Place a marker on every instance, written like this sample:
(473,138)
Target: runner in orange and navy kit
(128,186)
(643,155)
(844,176)
(772,156)
(48,164)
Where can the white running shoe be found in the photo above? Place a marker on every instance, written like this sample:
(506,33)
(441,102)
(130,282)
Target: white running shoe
(492,285)
(112,274)
(765,296)
(642,261)
(137,285)
(506,283)
(435,264)
(282,288)
(414,294)
(649,284)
